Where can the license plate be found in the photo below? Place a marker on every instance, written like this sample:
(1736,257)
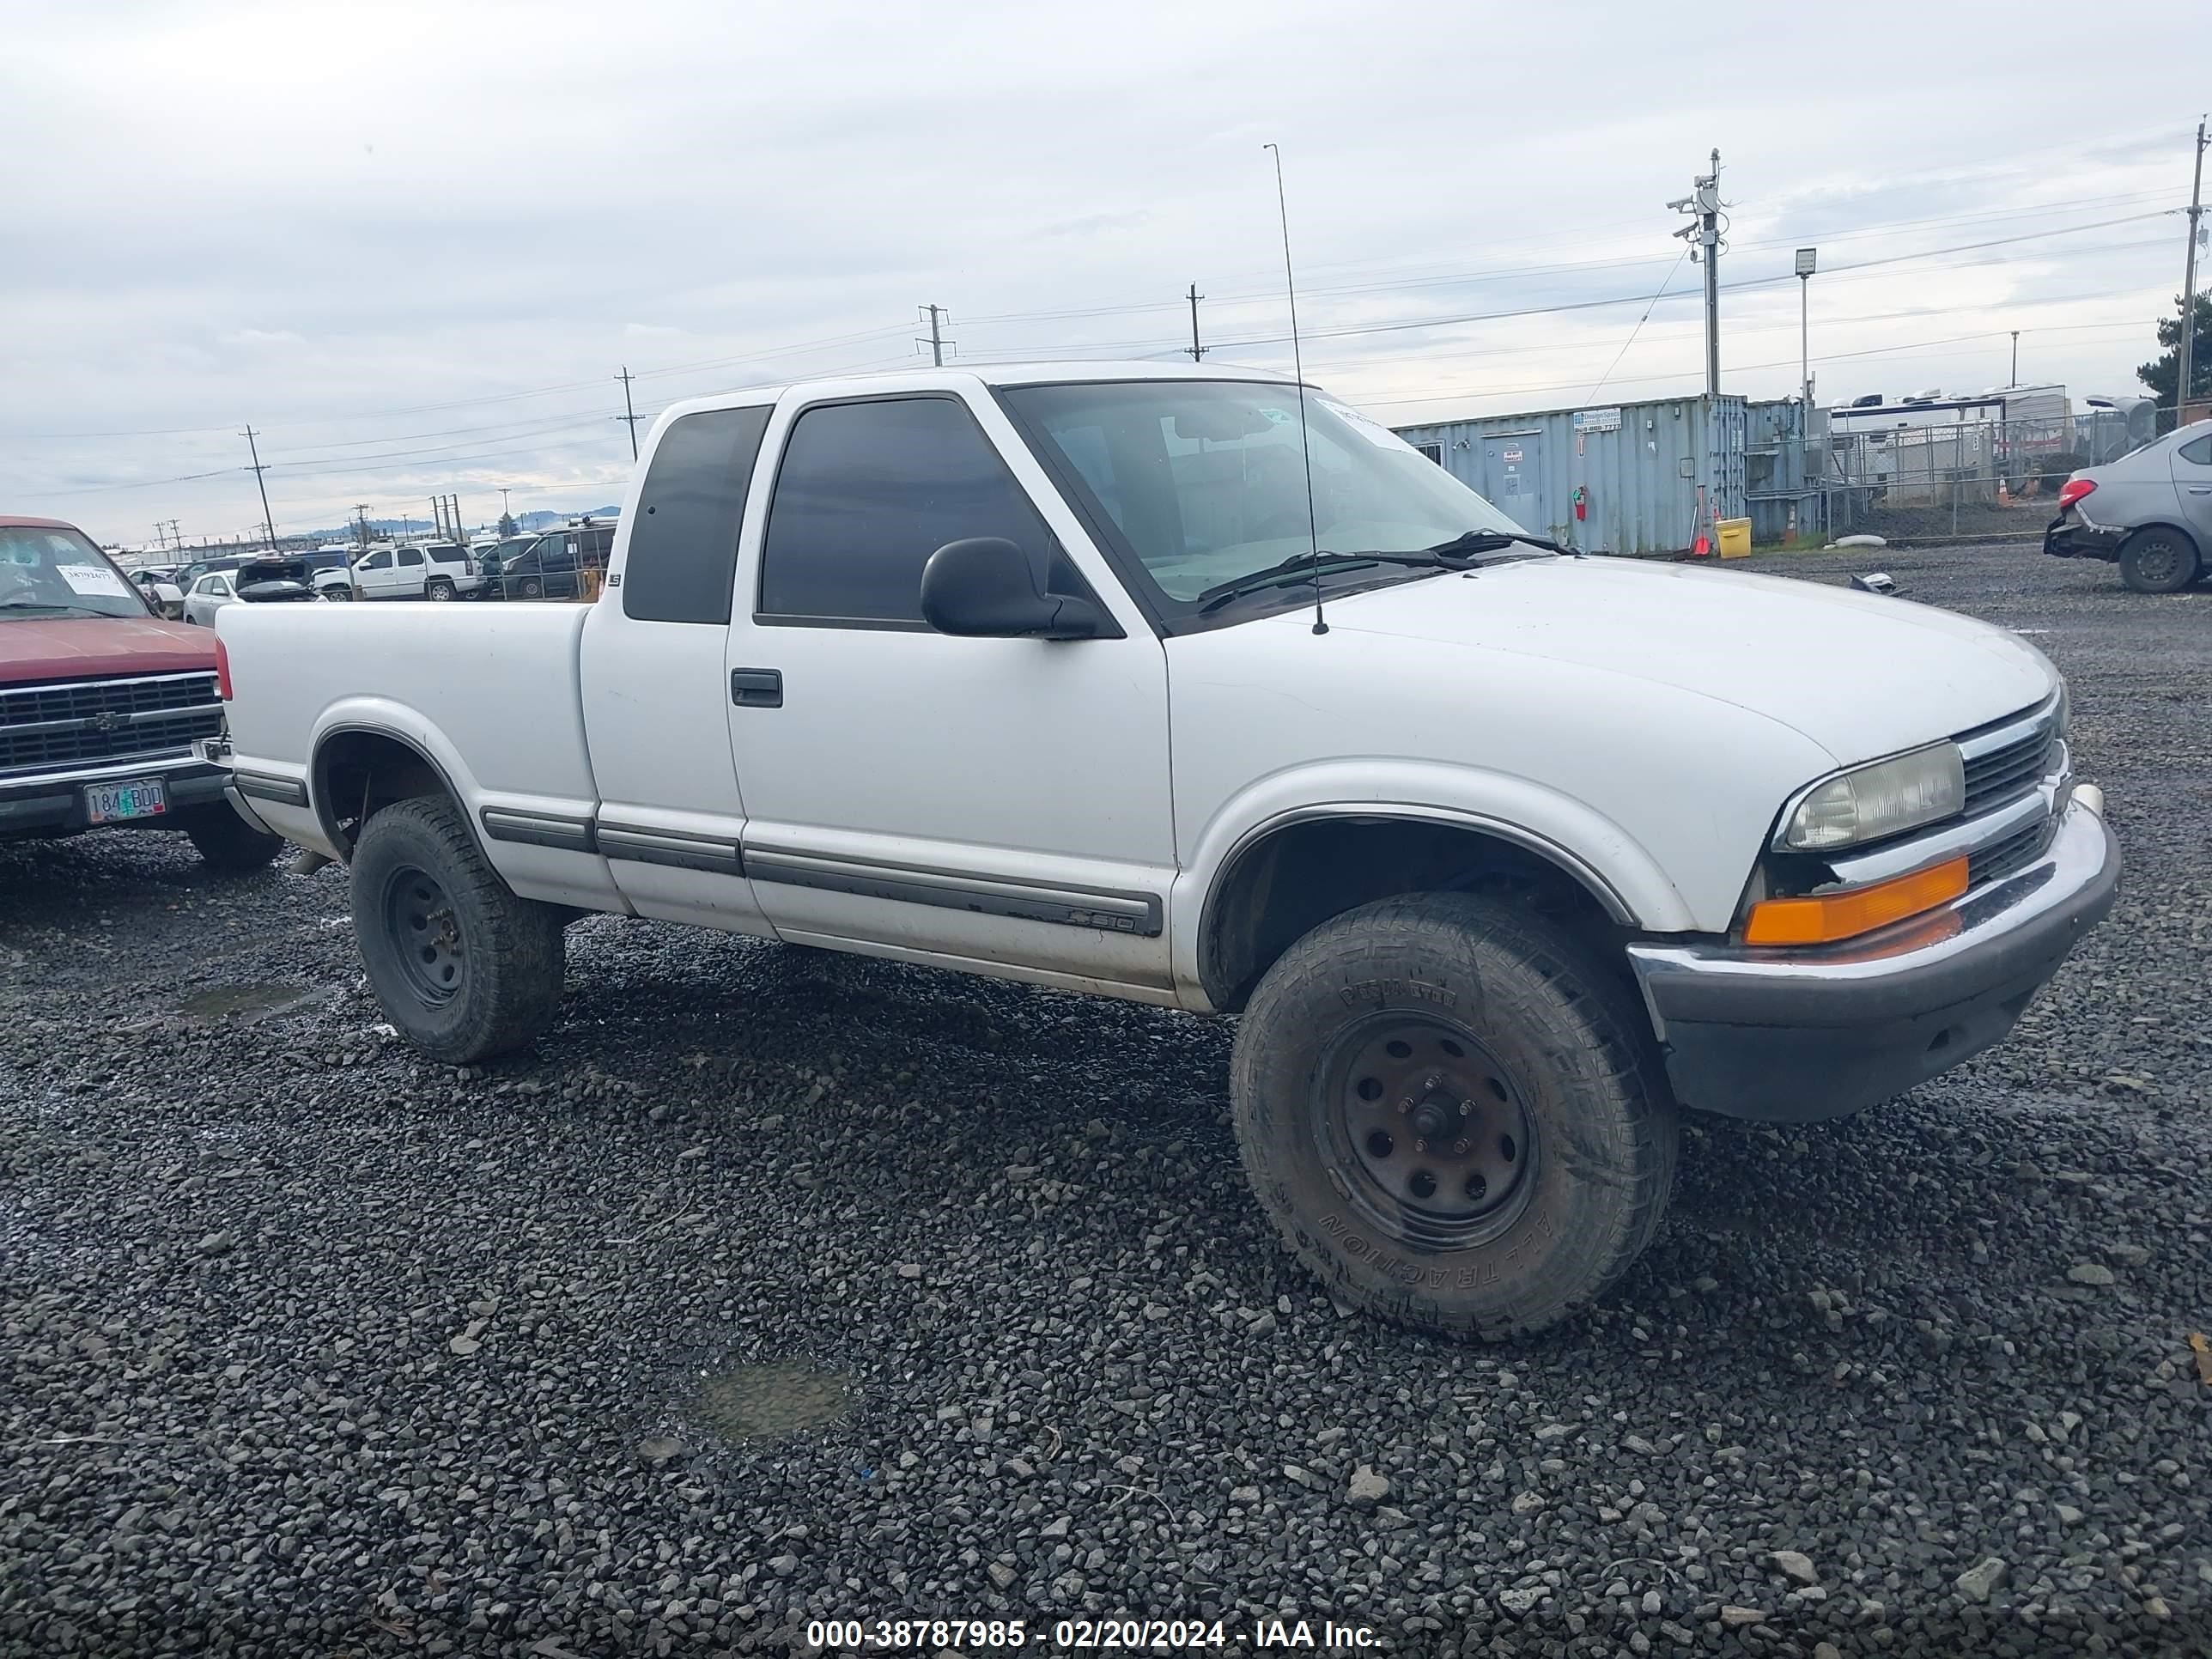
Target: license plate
(118,803)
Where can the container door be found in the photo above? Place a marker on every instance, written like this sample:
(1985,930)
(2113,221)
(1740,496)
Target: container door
(1513,477)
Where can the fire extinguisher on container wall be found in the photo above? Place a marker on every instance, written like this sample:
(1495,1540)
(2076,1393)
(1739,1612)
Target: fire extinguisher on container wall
(1581,503)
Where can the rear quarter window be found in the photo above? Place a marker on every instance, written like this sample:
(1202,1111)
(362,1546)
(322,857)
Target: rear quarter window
(682,562)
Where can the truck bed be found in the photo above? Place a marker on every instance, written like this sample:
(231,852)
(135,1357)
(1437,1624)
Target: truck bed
(489,693)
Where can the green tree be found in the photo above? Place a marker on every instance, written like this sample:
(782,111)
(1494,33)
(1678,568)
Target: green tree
(506,525)
(2160,373)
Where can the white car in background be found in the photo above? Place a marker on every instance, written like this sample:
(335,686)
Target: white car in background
(260,582)
(416,570)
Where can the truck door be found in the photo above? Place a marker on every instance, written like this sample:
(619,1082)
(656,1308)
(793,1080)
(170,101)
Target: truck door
(982,803)
(656,698)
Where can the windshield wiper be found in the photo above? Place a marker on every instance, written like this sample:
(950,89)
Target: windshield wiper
(33,605)
(1475,542)
(1301,568)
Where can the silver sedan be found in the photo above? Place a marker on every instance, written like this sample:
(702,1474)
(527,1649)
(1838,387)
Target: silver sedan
(2150,511)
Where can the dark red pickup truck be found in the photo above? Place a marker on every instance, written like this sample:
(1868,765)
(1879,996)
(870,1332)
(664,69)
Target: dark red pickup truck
(101,702)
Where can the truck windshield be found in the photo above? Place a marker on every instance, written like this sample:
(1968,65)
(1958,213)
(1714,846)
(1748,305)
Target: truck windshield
(50,572)
(1205,482)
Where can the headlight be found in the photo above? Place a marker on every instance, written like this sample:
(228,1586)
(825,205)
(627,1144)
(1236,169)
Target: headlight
(1885,797)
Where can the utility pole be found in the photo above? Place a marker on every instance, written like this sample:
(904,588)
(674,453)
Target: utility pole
(360,518)
(268,519)
(1702,233)
(628,414)
(1197,351)
(937,317)
(503,490)
(2186,367)
(2016,359)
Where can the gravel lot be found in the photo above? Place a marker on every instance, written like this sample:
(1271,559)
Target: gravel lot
(780,1286)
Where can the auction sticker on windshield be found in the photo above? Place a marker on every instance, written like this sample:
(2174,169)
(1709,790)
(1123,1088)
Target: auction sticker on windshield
(92,579)
(117,803)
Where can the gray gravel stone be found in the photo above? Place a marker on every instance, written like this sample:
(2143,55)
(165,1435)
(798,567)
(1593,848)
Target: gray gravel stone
(1979,1581)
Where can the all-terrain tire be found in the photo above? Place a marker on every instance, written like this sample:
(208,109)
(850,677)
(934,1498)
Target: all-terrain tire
(1521,1025)
(463,967)
(226,842)
(2157,560)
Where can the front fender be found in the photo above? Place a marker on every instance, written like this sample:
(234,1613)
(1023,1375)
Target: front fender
(1600,854)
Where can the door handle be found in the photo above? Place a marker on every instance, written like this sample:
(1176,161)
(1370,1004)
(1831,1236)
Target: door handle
(756,688)
(2200,489)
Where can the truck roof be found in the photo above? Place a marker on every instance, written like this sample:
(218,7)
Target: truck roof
(994,375)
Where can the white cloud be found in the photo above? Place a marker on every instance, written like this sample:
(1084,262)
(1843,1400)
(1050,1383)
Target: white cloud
(413,243)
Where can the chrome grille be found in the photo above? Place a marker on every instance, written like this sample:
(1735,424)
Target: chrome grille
(74,723)
(2011,855)
(2005,761)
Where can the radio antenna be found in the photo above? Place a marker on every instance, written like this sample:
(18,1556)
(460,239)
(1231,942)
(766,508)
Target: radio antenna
(1298,367)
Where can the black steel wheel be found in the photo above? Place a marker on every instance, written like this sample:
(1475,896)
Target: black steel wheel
(1453,1113)
(531,588)
(1429,1129)
(420,918)
(2157,560)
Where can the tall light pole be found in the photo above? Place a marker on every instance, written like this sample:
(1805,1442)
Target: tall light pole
(1808,258)
(2016,359)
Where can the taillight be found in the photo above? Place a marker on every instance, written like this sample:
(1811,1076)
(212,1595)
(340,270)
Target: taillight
(222,670)
(2073,491)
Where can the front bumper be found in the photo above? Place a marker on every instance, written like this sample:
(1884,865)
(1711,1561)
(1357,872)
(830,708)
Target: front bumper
(2069,536)
(53,805)
(1798,1036)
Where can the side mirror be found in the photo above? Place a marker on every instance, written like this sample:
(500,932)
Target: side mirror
(983,588)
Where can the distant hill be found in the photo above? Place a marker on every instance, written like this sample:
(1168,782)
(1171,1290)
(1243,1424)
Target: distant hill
(400,529)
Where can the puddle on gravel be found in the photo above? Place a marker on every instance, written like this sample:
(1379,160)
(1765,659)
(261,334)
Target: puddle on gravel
(219,1001)
(755,1403)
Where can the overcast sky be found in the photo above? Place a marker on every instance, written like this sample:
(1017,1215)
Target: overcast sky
(412,244)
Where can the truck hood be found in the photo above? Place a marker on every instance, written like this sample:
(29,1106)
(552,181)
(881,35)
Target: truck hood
(1860,675)
(89,647)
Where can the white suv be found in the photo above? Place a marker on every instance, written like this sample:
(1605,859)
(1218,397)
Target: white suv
(418,570)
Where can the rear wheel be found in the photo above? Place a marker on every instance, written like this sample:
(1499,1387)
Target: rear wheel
(226,842)
(1453,1115)
(440,591)
(2157,560)
(463,967)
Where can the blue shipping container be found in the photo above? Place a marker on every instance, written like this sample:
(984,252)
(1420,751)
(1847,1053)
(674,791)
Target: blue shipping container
(1649,472)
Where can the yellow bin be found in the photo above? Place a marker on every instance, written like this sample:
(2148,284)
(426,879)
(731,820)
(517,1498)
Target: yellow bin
(1735,538)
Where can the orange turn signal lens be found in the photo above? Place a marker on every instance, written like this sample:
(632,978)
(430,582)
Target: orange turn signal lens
(1826,917)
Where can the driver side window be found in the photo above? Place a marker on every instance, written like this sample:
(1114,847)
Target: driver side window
(867,492)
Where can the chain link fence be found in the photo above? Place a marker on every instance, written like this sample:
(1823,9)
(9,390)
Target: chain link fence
(1972,479)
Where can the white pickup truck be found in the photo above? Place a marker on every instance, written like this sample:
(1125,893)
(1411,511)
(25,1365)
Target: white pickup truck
(1503,861)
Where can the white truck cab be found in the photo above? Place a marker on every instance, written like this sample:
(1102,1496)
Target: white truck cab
(1068,674)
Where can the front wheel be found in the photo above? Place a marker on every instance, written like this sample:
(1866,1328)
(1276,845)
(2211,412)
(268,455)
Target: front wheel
(1453,1115)
(463,967)
(531,588)
(226,842)
(2156,560)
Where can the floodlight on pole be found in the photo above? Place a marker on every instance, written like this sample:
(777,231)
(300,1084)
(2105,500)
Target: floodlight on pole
(1807,260)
